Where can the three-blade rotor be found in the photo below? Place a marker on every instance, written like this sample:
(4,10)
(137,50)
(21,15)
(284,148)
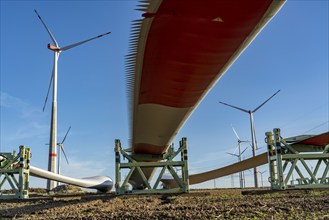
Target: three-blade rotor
(237,136)
(249,111)
(251,117)
(57,49)
(238,145)
(61,145)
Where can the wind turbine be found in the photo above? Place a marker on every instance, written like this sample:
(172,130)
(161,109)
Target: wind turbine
(53,81)
(61,150)
(261,176)
(239,154)
(253,135)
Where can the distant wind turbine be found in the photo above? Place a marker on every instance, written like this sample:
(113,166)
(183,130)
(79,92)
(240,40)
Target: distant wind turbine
(53,81)
(253,135)
(239,154)
(60,151)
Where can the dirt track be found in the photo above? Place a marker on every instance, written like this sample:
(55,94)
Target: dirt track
(204,204)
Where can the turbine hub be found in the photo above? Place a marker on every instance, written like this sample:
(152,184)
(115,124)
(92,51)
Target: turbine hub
(53,48)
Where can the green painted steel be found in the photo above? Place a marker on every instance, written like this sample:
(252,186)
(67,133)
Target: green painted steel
(15,170)
(285,160)
(140,161)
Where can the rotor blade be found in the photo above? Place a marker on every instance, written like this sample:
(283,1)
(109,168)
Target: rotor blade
(245,141)
(232,154)
(51,81)
(265,101)
(244,150)
(236,134)
(66,134)
(241,109)
(62,147)
(82,42)
(50,34)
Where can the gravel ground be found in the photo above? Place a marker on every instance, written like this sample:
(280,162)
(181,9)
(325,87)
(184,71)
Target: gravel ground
(201,204)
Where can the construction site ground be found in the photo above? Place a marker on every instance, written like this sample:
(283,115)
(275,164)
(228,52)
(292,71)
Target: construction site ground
(198,204)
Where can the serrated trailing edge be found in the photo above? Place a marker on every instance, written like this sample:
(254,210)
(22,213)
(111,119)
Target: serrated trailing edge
(131,55)
(136,46)
(141,9)
(143,5)
(130,61)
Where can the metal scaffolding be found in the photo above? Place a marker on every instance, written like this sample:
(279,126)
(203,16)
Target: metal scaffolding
(286,159)
(136,163)
(12,165)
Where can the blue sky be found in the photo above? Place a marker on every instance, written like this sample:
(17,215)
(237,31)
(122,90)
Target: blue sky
(290,54)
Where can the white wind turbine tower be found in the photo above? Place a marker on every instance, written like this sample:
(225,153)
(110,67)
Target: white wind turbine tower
(253,135)
(53,81)
(239,155)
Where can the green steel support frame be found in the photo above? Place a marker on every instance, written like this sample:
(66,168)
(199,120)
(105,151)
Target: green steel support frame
(165,162)
(284,159)
(11,165)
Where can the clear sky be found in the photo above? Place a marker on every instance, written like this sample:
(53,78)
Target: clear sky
(290,54)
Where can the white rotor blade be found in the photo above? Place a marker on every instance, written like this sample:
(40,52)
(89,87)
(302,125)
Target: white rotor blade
(51,81)
(232,106)
(265,101)
(82,42)
(50,34)
(244,150)
(62,148)
(232,154)
(245,141)
(236,134)
(66,135)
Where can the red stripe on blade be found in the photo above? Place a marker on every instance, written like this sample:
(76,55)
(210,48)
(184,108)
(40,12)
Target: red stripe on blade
(187,47)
